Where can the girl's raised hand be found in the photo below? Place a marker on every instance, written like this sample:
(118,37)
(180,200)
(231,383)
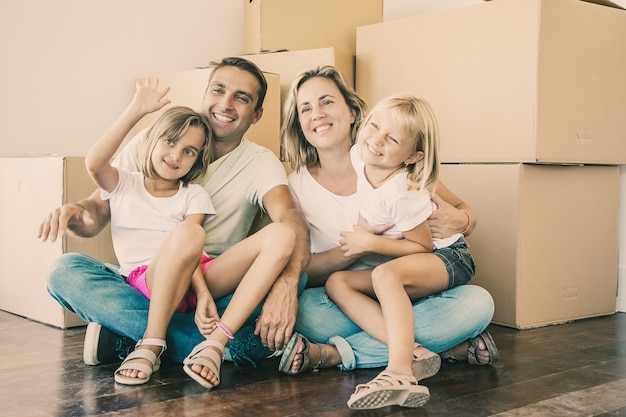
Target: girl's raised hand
(148,97)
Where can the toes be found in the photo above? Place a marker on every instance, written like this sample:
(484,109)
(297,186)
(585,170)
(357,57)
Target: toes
(205,373)
(481,343)
(133,373)
(482,352)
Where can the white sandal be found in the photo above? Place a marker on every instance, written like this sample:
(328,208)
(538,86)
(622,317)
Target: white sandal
(131,363)
(197,357)
(425,362)
(389,389)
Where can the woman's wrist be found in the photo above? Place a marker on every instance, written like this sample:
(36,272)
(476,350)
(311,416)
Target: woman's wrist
(469,222)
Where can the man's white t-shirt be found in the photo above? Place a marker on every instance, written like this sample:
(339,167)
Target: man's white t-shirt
(236,183)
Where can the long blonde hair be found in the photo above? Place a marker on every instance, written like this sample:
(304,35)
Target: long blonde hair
(171,125)
(418,119)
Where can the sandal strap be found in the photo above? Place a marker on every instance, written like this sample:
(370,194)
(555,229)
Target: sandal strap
(141,352)
(152,341)
(204,350)
(388,378)
(450,357)
(323,356)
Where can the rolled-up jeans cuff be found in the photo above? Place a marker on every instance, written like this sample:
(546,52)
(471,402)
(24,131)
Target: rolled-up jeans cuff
(348,360)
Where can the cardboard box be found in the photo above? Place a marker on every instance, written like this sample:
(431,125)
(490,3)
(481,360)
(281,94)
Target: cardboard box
(187,89)
(31,187)
(289,64)
(509,80)
(272,25)
(546,243)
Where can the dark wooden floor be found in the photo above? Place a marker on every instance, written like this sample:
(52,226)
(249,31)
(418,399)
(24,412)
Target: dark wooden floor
(574,369)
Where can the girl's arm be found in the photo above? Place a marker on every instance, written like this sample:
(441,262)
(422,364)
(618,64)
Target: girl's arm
(206,311)
(360,242)
(148,98)
(323,264)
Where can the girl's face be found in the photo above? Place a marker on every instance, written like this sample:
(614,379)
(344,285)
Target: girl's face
(385,143)
(172,160)
(324,115)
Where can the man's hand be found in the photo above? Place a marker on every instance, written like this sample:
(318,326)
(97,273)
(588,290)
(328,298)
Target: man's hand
(278,315)
(72,216)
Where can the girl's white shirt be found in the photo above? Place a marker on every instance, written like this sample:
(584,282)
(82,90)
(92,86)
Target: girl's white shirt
(140,222)
(329,214)
(236,182)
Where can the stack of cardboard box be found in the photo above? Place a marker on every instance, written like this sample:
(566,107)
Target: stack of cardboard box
(30,187)
(530,99)
(284,37)
(289,36)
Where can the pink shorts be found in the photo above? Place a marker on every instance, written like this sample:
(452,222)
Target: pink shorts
(137,280)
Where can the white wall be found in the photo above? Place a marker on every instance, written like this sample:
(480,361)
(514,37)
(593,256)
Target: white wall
(67,65)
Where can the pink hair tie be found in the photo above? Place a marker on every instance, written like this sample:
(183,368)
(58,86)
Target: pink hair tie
(229,334)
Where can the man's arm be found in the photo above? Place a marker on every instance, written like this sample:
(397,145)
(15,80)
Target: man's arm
(85,218)
(278,316)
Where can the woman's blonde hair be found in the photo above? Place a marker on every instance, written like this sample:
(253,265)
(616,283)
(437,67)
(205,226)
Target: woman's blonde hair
(418,119)
(296,150)
(171,125)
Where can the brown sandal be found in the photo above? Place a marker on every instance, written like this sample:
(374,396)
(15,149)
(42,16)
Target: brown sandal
(290,353)
(472,347)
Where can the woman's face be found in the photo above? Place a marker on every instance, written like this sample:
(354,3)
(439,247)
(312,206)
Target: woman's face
(324,115)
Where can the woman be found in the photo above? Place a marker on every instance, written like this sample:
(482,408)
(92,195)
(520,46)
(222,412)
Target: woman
(321,116)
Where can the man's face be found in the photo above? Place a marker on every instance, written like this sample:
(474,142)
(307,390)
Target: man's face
(230,101)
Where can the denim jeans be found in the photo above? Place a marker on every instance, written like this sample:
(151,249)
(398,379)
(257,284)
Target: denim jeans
(98,293)
(442,321)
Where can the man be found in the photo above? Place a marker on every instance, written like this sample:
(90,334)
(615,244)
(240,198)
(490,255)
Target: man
(243,177)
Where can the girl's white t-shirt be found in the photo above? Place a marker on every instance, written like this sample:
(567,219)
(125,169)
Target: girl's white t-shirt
(236,182)
(140,222)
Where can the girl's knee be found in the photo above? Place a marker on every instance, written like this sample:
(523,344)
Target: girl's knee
(280,236)
(335,285)
(187,238)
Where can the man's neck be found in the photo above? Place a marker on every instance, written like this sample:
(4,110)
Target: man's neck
(222,147)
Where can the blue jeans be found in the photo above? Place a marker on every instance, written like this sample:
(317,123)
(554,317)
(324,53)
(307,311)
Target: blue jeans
(442,321)
(98,293)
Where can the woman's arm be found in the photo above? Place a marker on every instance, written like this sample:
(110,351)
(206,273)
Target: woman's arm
(453,215)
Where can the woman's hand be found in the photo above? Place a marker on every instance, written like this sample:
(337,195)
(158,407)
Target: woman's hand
(446,220)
